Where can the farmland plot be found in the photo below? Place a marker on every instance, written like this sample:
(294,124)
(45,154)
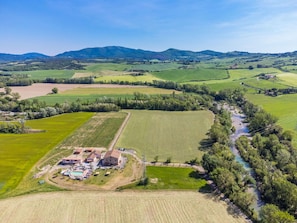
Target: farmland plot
(166,134)
(19,152)
(112,207)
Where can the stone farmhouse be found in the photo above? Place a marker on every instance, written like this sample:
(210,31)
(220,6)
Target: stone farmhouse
(112,158)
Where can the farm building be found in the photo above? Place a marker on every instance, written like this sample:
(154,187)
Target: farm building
(89,150)
(112,158)
(77,151)
(72,159)
(95,155)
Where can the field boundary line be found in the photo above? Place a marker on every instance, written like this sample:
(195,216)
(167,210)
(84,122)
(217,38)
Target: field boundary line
(119,132)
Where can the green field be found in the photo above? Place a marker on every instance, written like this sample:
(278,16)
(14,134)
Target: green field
(147,77)
(96,67)
(117,91)
(98,131)
(156,66)
(237,76)
(173,178)
(166,134)
(43,74)
(283,107)
(91,94)
(19,152)
(188,75)
(288,78)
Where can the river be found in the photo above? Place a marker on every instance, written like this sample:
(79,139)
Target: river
(242,129)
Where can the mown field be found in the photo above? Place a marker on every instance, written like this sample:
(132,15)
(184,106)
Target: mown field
(156,66)
(147,77)
(109,207)
(166,134)
(43,74)
(98,131)
(19,152)
(288,78)
(189,75)
(174,178)
(92,93)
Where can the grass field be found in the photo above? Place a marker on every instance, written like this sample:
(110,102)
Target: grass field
(237,76)
(91,94)
(147,77)
(115,207)
(98,131)
(118,91)
(189,75)
(19,152)
(283,107)
(43,74)
(96,67)
(156,66)
(166,134)
(173,178)
(288,78)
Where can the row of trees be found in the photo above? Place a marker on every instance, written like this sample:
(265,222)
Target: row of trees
(270,153)
(11,128)
(219,161)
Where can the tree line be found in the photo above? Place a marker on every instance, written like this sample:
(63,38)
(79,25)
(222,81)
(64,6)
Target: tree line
(229,175)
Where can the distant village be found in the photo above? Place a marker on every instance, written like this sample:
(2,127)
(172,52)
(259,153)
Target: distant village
(84,162)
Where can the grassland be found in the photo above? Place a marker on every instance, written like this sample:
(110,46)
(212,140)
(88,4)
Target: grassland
(237,76)
(156,66)
(43,74)
(283,107)
(98,131)
(117,91)
(191,75)
(96,67)
(166,134)
(112,207)
(173,178)
(19,152)
(288,78)
(91,94)
(147,77)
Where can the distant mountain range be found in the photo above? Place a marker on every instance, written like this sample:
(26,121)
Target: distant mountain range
(118,52)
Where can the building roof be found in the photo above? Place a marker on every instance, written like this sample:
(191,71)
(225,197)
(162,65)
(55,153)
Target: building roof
(72,157)
(112,153)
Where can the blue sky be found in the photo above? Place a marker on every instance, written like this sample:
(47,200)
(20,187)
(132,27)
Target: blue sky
(55,26)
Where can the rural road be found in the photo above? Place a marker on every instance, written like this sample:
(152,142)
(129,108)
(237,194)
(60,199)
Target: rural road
(116,138)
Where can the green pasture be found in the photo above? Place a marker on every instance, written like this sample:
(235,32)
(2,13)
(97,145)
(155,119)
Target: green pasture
(147,77)
(98,131)
(241,74)
(19,152)
(173,178)
(96,67)
(166,134)
(59,98)
(288,78)
(43,74)
(283,107)
(265,84)
(237,76)
(188,75)
(156,66)
(117,91)
(92,94)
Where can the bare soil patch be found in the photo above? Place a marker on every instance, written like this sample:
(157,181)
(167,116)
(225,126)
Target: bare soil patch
(41,89)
